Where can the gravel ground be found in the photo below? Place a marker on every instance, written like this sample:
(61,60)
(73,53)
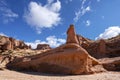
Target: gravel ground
(13,75)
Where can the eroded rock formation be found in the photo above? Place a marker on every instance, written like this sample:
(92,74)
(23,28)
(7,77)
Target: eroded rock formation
(111,64)
(104,48)
(43,47)
(69,58)
(8,43)
(71,35)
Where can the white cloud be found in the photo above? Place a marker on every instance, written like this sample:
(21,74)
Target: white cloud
(50,1)
(109,32)
(103,17)
(33,44)
(88,8)
(82,11)
(67,1)
(2,34)
(51,40)
(88,23)
(7,14)
(46,16)
(98,0)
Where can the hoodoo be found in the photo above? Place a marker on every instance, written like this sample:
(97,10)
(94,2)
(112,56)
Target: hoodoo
(69,58)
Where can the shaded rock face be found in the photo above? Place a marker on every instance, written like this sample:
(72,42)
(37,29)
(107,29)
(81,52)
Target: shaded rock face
(5,60)
(43,47)
(111,64)
(84,42)
(69,58)
(8,43)
(104,48)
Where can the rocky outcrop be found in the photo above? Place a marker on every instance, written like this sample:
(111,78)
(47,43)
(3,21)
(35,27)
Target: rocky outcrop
(43,47)
(8,43)
(5,59)
(104,48)
(111,64)
(84,42)
(71,35)
(69,58)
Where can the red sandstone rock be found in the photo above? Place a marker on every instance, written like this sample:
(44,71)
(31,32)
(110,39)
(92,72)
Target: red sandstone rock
(69,58)
(7,43)
(111,64)
(43,47)
(104,48)
(71,35)
(5,59)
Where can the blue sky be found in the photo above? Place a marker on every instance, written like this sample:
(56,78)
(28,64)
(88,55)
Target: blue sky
(46,21)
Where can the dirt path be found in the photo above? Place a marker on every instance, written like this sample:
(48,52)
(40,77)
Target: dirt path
(13,75)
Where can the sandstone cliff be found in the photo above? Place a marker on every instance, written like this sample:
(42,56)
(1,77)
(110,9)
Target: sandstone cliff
(9,43)
(104,47)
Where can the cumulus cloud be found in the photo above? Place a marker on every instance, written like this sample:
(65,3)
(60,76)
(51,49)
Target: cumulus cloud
(109,32)
(51,40)
(6,13)
(88,23)
(82,11)
(43,16)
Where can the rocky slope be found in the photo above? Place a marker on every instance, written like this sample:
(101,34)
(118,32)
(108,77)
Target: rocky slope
(11,48)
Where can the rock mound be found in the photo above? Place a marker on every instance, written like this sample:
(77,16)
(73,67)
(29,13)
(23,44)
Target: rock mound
(69,58)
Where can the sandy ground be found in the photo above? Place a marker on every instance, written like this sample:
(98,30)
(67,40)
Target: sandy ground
(13,75)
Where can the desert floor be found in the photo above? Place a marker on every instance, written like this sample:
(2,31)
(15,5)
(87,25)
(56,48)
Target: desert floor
(13,75)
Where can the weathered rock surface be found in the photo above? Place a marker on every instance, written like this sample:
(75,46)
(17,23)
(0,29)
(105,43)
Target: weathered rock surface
(5,60)
(10,55)
(104,47)
(111,64)
(84,42)
(71,35)
(8,43)
(43,47)
(69,58)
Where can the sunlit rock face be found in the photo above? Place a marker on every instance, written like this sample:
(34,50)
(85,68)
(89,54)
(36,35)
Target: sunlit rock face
(9,43)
